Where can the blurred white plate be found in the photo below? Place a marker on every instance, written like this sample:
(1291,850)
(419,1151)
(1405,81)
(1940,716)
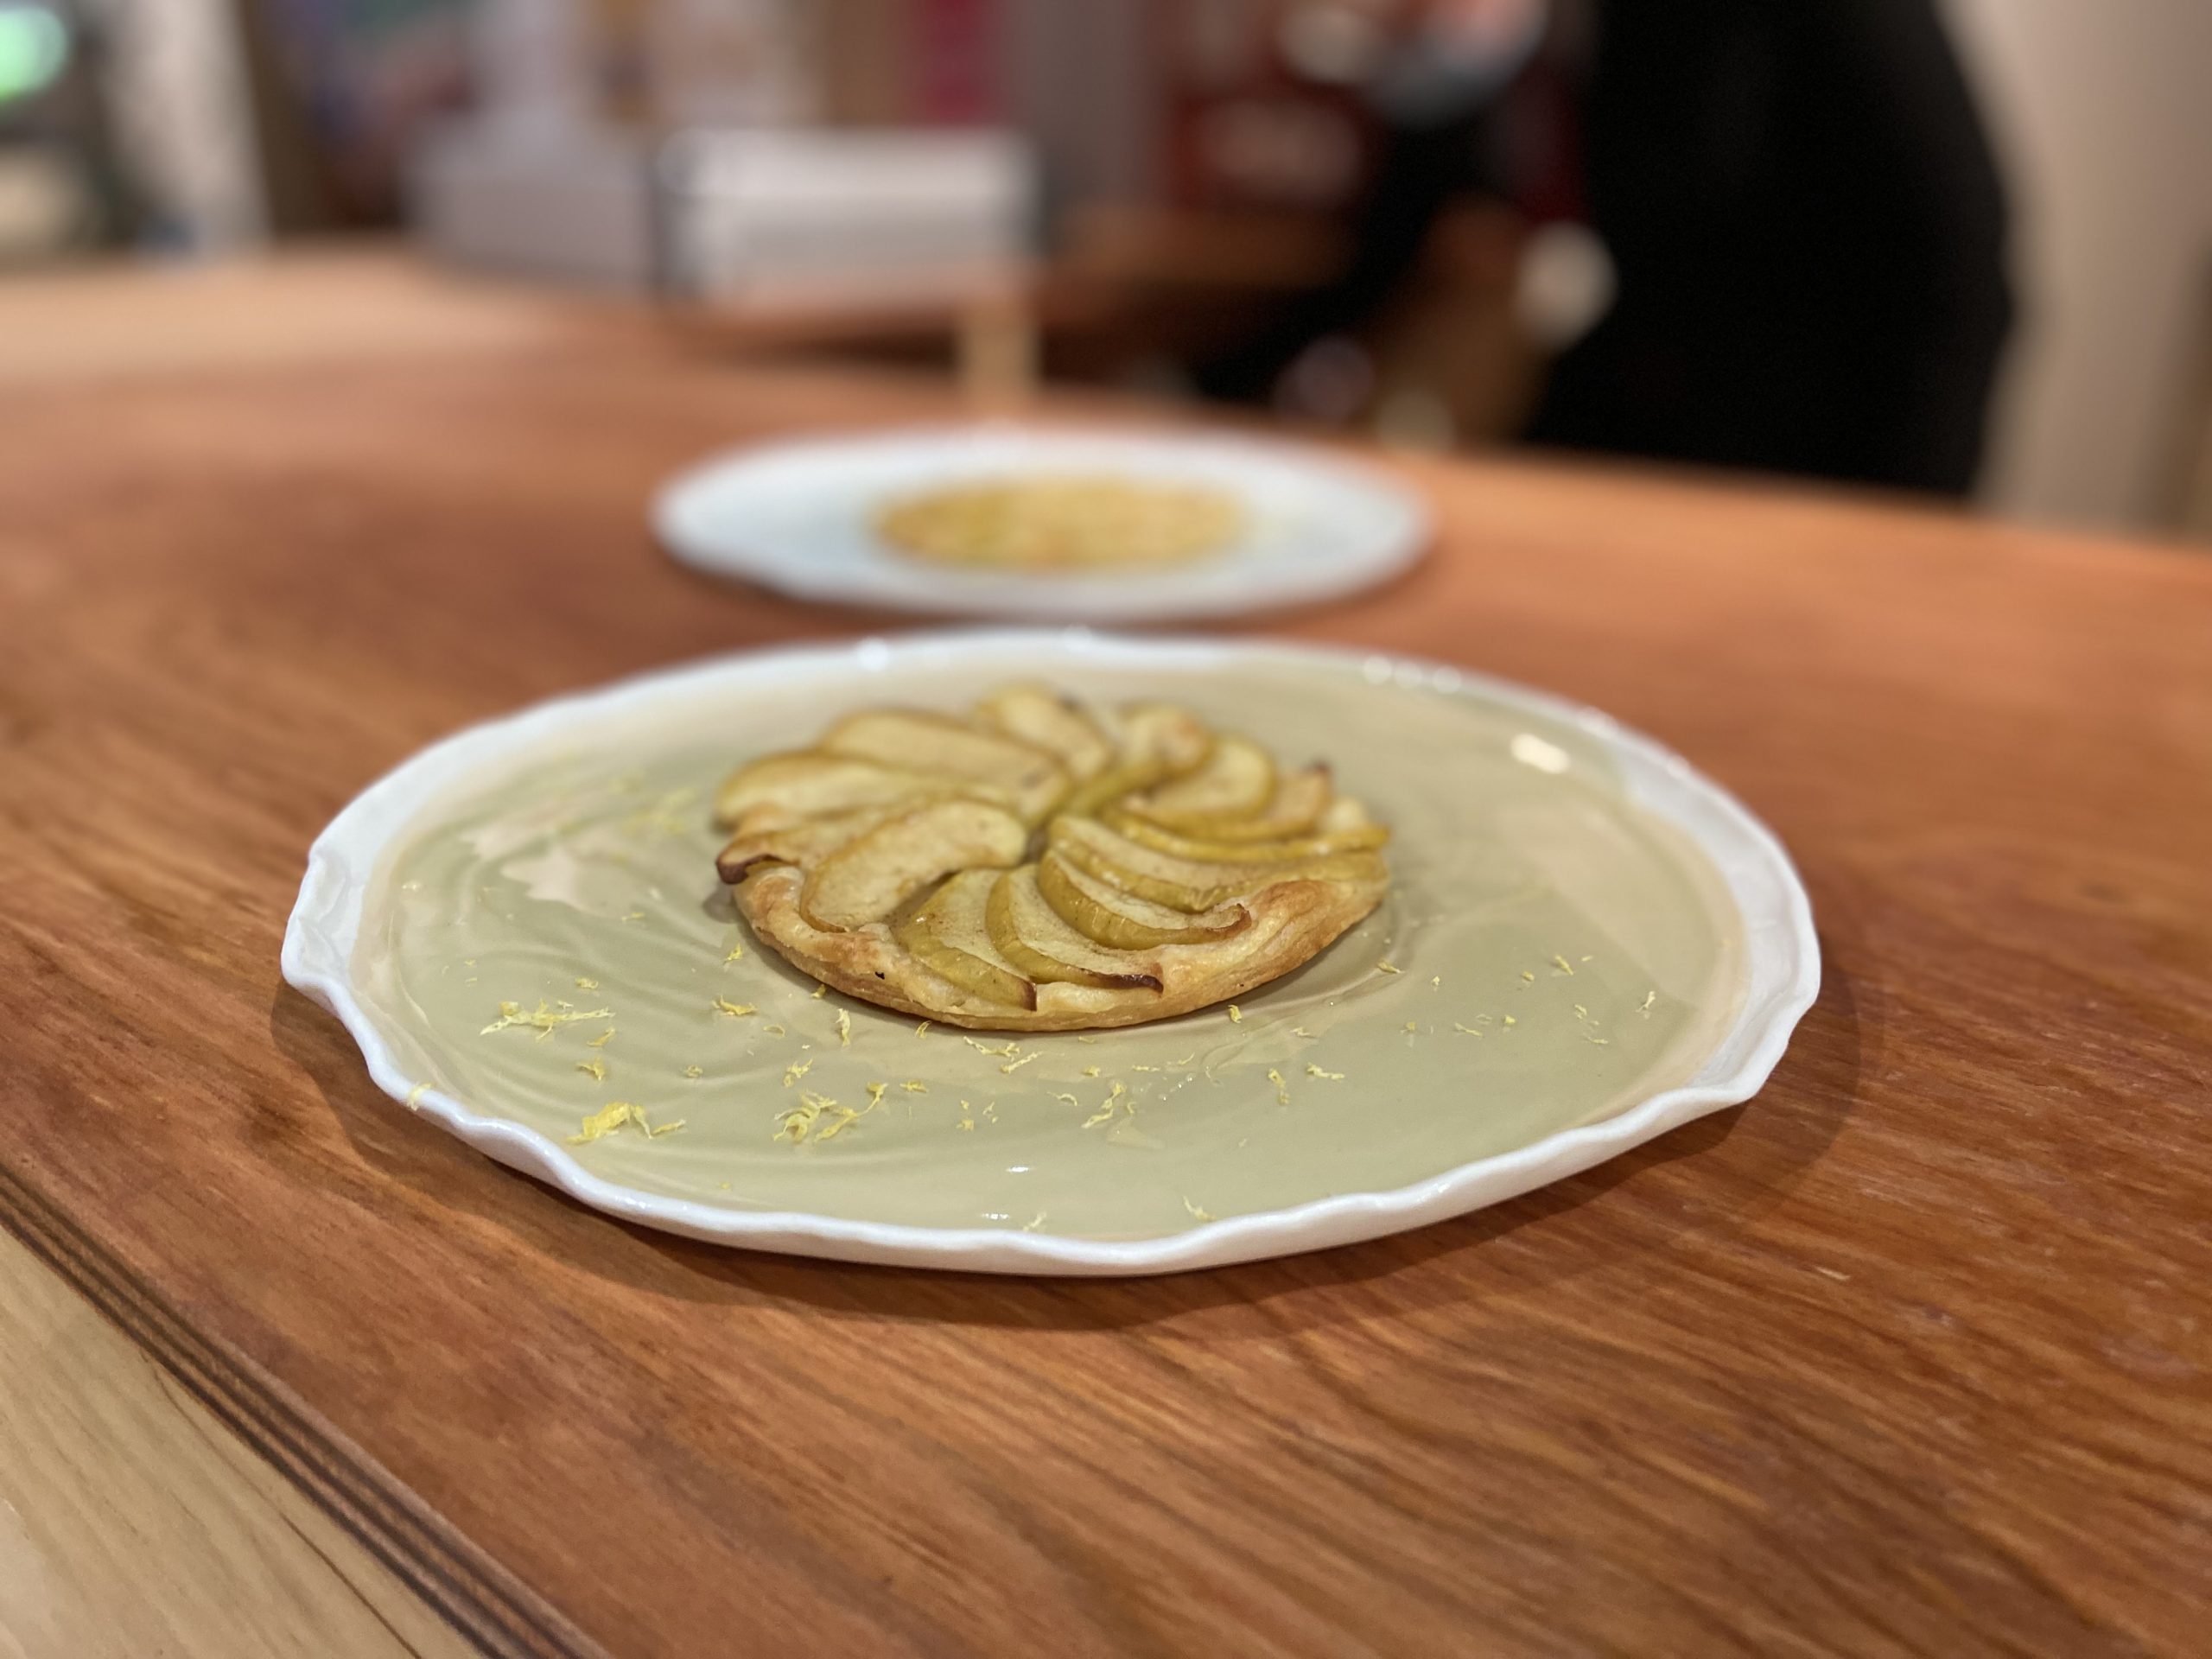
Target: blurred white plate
(797,517)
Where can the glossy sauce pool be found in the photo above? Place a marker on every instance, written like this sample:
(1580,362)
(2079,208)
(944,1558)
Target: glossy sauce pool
(1550,954)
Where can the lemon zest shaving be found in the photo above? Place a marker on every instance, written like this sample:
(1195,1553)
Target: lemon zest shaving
(922,1030)
(594,1069)
(1197,1212)
(805,1119)
(1105,1112)
(1563,965)
(914,1086)
(795,1071)
(734,1010)
(735,952)
(844,1029)
(695,1071)
(774,1031)
(583,984)
(1314,1071)
(603,1123)
(1388,968)
(1090,1071)
(1282,1088)
(1012,1066)
(1468,1030)
(546,1019)
(1236,1014)
(611,1116)
(795,1124)
(821,991)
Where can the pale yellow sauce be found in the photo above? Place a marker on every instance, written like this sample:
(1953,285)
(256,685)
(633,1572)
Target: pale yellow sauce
(1548,955)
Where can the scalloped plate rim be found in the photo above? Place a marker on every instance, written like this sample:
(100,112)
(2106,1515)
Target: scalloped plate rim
(326,920)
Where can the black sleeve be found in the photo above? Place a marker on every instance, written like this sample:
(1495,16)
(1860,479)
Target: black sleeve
(1915,184)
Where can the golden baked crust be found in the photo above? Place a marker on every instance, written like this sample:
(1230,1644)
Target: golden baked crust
(1043,865)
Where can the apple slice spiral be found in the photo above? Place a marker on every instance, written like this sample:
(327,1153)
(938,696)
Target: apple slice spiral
(1044,864)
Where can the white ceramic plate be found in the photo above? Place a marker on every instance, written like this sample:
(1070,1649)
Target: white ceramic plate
(797,516)
(1367,1090)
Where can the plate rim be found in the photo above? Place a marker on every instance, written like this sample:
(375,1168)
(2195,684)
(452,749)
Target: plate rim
(1012,598)
(326,920)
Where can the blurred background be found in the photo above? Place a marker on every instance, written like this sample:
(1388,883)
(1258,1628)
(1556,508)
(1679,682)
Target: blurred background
(1958,247)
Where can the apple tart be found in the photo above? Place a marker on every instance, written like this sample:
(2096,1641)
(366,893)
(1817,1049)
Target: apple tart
(1062,524)
(1044,864)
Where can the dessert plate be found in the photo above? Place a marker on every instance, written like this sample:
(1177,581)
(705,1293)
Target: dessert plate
(1585,943)
(800,517)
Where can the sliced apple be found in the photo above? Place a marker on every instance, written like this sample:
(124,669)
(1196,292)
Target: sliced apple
(1344,813)
(1042,717)
(1121,921)
(802,840)
(1364,838)
(1192,884)
(1173,740)
(948,936)
(1030,934)
(1115,784)
(1300,799)
(1154,743)
(1179,884)
(808,783)
(1236,781)
(1033,780)
(870,877)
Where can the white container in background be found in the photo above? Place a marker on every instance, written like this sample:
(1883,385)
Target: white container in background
(728,212)
(783,212)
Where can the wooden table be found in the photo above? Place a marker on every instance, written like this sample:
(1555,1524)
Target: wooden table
(1908,1355)
(133,1521)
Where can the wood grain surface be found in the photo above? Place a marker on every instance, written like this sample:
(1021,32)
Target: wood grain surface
(133,1522)
(358,300)
(1907,1356)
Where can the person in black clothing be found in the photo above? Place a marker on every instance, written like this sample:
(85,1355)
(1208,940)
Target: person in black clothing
(1805,220)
